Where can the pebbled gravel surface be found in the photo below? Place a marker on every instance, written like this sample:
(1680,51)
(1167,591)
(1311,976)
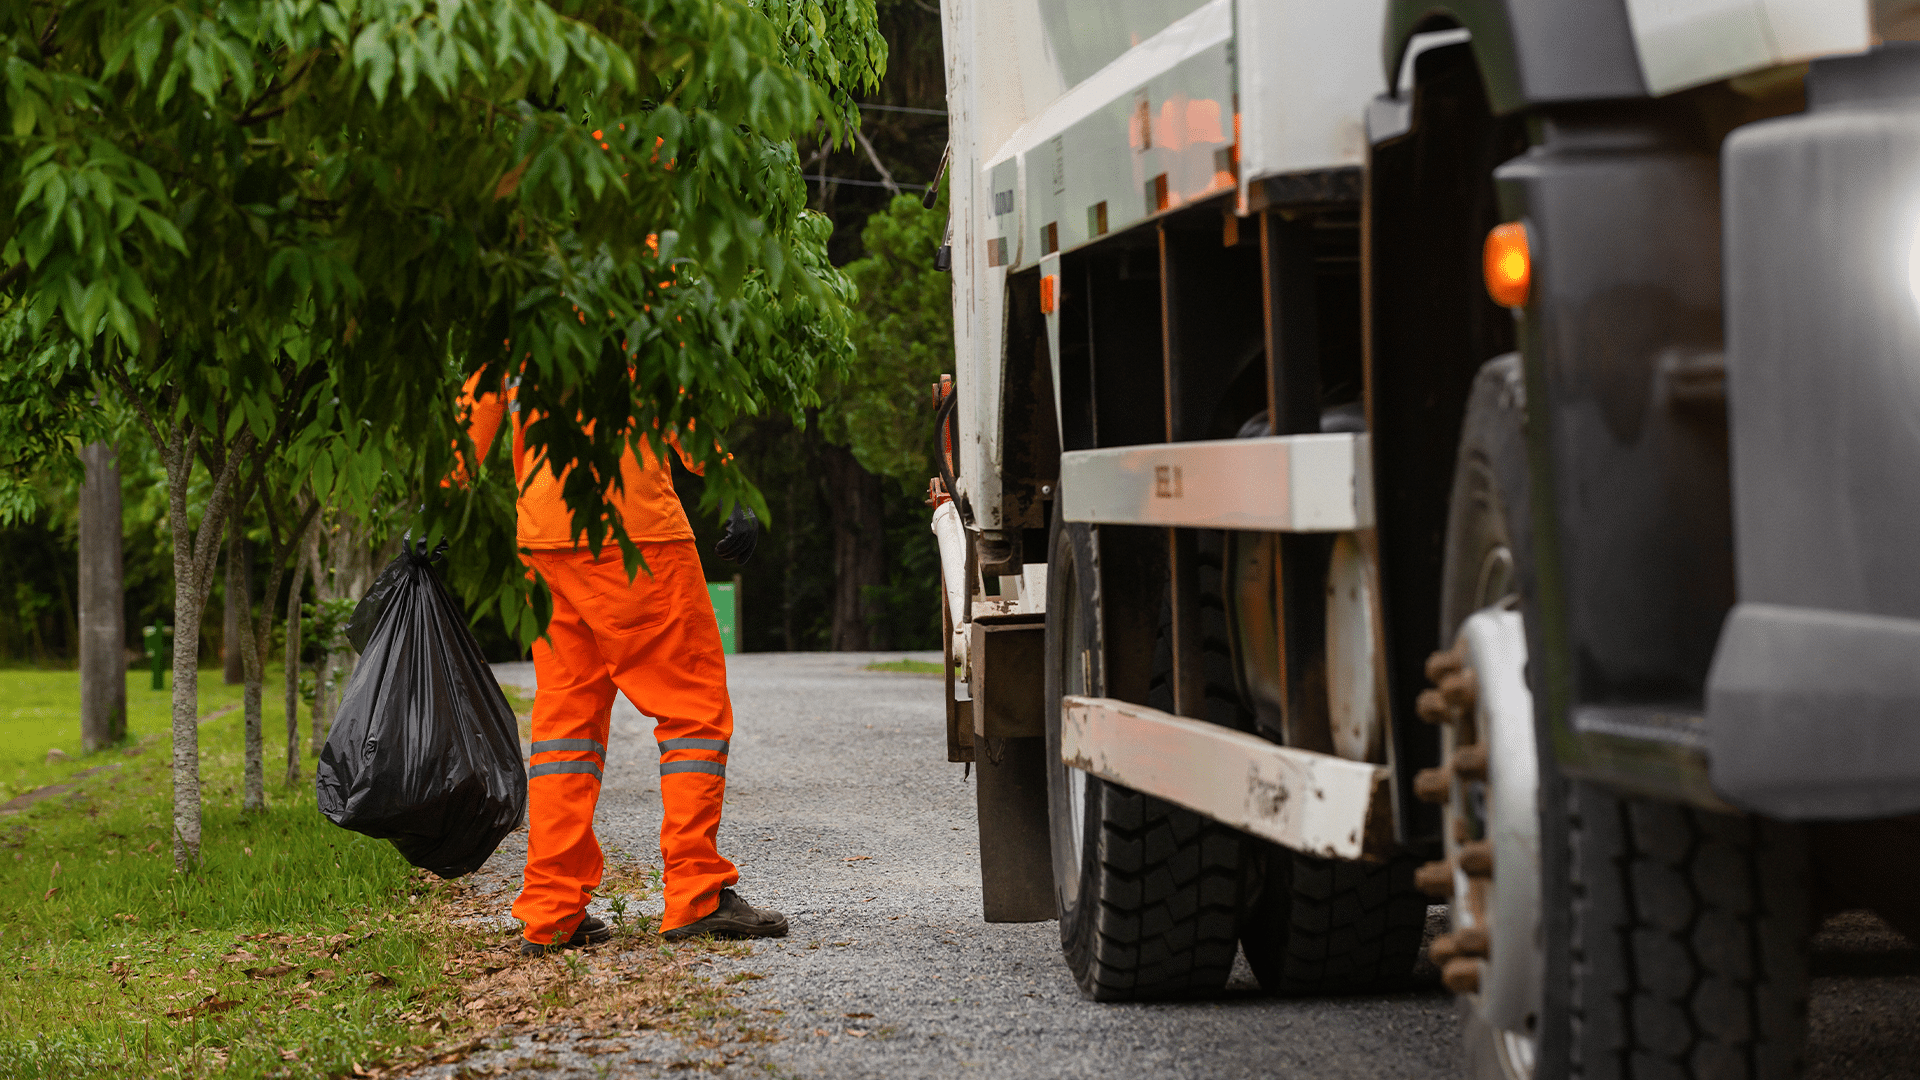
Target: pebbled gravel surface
(843,813)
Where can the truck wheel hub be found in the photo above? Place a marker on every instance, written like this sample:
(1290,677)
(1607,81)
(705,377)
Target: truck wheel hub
(1488,785)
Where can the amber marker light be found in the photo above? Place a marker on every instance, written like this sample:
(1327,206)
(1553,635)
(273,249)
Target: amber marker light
(1048,283)
(1508,265)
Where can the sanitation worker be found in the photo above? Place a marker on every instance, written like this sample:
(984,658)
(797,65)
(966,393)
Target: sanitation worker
(654,639)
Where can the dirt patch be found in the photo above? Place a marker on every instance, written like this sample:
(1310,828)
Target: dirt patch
(51,791)
(507,1012)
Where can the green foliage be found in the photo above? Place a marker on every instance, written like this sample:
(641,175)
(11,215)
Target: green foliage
(304,222)
(903,334)
(43,411)
(112,939)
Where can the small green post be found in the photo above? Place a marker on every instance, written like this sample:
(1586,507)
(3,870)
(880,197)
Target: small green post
(726,612)
(159,652)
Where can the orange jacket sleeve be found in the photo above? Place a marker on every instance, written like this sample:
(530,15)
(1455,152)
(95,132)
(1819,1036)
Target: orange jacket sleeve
(485,413)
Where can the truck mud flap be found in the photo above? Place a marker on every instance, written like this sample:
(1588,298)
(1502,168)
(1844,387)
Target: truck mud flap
(1007,683)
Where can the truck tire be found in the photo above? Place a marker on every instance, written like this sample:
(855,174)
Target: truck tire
(1689,941)
(1310,926)
(1671,940)
(1148,893)
(1323,926)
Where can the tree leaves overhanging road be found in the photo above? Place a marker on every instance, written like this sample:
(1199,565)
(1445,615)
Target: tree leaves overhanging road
(288,223)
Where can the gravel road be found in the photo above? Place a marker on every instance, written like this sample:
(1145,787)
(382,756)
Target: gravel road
(843,813)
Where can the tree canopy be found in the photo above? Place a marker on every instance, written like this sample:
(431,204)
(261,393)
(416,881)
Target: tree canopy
(598,197)
(289,228)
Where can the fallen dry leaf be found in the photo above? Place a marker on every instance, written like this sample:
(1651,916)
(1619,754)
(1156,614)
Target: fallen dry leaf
(208,1005)
(273,972)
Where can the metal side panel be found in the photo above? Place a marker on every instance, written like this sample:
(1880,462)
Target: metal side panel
(1686,43)
(1307,69)
(1149,132)
(1313,803)
(1281,483)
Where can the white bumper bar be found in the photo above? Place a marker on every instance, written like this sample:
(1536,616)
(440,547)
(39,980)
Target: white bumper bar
(1281,483)
(1313,803)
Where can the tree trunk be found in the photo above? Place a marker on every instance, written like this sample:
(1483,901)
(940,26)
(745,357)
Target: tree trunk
(319,713)
(859,549)
(253,783)
(293,666)
(103,608)
(239,602)
(257,639)
(193,564)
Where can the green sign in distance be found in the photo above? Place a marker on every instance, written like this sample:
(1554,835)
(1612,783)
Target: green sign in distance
(726,611)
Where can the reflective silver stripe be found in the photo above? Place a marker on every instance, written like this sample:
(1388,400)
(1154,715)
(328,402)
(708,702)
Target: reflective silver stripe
(551,767)
(713,768)
(548,745)
(693,744)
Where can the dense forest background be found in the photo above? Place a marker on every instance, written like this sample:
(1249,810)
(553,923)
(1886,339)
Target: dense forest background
(847,561)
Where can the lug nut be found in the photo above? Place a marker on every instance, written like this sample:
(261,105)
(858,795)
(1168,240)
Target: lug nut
(1477,858)
(1435,879)
(1432,707)
(1470,761)
(1460,688)
(1462,975)
(1442,664)
(1469,941)
(1432,785)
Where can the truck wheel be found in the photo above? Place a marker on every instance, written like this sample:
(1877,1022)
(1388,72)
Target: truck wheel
(1311,926)
(1148,892)
(1323,926)
(1592,935)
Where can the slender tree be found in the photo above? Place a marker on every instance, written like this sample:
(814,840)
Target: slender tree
(184,435)
(294,590)
(103,609)
(235,605)
(271,481)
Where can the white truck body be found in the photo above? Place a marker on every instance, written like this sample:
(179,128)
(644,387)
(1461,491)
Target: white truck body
(1071,121)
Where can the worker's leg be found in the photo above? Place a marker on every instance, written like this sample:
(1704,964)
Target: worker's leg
(662,648)
(571,710)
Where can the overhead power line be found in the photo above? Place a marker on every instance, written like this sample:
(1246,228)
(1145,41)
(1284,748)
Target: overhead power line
(860,183)
(902,108)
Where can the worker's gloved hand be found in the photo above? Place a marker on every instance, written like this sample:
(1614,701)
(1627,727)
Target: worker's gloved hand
(743,532)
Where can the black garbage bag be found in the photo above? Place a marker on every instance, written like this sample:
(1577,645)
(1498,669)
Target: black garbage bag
(424,749)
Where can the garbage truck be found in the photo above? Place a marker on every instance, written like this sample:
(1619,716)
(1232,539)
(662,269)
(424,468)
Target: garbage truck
(1405,453)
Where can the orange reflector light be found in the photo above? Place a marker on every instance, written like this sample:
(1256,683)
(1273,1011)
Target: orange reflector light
(1047,285)
(1508,265)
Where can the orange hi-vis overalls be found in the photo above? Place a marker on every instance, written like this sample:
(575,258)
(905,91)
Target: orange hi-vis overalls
(654,639)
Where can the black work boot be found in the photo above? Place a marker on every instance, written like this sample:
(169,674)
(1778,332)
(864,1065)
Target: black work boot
(591,931)
(733,918)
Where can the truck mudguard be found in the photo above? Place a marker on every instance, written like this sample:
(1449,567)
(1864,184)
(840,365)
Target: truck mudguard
(1815,694)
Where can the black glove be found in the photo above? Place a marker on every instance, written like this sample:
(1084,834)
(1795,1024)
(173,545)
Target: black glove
(737,542)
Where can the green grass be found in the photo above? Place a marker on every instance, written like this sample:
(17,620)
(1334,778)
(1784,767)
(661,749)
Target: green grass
(910,666)
(40,711)
(100,939)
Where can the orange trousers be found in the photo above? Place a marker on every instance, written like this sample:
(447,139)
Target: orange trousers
(655,640)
